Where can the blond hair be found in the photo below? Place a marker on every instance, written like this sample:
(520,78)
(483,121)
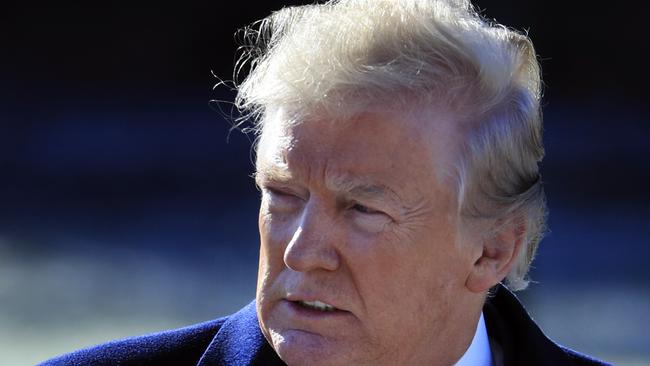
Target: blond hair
(345,56)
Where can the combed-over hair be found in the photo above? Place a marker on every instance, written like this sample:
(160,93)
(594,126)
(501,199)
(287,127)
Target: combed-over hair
(346,56)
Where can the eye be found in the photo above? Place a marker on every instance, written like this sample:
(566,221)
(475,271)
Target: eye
(276,192)
(281,198)
(369,219)
(365,209)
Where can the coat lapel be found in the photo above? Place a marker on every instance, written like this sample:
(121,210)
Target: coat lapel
(240,342)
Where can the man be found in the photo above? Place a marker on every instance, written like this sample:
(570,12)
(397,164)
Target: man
(398,154)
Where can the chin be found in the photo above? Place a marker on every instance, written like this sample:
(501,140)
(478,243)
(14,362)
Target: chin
(297,348)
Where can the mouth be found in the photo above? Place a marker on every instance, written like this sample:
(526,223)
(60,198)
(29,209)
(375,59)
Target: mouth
(316,305)
(315,316)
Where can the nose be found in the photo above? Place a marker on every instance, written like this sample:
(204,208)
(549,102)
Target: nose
(313,243)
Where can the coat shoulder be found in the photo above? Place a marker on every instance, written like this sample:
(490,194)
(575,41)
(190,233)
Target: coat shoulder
(178,346)
(519,338)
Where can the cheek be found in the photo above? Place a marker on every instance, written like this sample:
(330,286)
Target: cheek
(276,229)
(273,240)
(402,273)
(406,303)
(271,262)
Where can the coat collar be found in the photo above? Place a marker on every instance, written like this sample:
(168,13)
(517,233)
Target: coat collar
(519,339)
(240,342)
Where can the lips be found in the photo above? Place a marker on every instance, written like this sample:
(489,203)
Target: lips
(317,305)
(313,301)
(314,315)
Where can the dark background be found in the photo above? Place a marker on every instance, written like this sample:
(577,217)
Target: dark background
(126,204)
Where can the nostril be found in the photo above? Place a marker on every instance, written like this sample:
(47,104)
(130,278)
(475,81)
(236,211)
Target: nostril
(303,257)
(310,249)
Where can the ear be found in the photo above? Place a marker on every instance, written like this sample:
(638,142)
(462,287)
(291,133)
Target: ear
(500,252)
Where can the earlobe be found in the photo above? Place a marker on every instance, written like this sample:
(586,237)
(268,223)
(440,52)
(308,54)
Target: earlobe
(500,252)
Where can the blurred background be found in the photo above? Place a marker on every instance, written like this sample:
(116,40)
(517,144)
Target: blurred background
(126,205)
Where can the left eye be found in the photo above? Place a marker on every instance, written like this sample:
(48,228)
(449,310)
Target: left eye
(364,209)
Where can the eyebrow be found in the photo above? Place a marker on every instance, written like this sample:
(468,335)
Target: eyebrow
(341,185)
(271,173)
(360,188)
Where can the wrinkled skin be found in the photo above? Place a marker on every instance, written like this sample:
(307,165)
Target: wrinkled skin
(362,215)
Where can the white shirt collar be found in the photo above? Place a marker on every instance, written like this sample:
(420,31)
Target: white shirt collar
(478,353)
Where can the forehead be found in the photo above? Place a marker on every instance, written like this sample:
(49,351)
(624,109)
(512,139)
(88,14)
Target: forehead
(389,148)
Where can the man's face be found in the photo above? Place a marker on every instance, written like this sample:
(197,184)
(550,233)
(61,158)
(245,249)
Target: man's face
(361,261)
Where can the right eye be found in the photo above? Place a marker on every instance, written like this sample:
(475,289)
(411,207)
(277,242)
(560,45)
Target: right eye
(278,192)
(278,198)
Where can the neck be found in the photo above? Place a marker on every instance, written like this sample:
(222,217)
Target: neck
(458,332)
